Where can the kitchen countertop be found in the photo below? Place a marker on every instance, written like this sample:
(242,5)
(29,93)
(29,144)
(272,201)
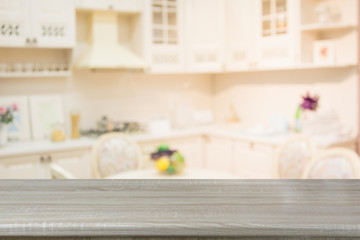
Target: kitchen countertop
(186,208)
(36,147)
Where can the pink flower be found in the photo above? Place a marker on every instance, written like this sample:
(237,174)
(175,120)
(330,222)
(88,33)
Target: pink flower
(2,110)
(15,107)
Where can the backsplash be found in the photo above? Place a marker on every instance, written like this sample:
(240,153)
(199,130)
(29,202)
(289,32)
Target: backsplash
(119,95)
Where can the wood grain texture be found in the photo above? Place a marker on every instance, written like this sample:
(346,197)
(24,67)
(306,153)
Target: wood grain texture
(185,208)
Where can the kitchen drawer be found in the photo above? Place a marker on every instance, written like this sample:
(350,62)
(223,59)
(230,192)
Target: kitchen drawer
(23,167)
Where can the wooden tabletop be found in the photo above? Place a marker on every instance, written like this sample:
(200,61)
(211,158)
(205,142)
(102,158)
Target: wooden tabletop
(156,208)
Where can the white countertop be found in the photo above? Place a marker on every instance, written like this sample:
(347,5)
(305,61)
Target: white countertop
(36,147)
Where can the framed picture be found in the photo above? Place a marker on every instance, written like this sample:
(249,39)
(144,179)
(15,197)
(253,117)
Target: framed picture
(45,112)
(324,52)
(20,128)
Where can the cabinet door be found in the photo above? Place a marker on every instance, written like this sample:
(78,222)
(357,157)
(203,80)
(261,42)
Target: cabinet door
(205,35)
(53,23)
(253,161)
(277,31)
(14,23)
(115,5)
(219,154)
(26,167)
(78,162)
(192,150)
(241,35)
(165,35)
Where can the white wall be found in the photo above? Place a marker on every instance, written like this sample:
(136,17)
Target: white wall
(257,95)
(119,95)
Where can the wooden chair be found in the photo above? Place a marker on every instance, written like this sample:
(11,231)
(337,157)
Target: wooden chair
(292,157)
(336,163)
(58,172)
(114,153)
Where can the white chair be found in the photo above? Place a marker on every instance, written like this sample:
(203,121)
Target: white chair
(336,163)
(292,157)
(114,153)
(58,172)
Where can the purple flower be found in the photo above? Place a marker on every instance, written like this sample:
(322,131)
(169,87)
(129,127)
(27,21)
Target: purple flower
(310,103)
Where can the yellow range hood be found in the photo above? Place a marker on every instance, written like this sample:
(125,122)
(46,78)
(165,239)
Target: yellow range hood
(104,50)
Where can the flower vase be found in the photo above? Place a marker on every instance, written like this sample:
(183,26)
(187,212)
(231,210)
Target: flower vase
(3,134)
(302,118)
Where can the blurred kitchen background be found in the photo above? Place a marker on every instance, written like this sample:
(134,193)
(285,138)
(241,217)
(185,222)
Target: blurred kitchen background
(226,83)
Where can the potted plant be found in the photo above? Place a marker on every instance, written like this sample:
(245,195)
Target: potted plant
(309,105)
(6,118)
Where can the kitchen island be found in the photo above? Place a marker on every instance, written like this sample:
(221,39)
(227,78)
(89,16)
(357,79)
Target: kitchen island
(160,209)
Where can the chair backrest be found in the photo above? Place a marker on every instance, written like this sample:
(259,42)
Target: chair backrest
(292,157)
(58,172)
(114,153)
(336,163)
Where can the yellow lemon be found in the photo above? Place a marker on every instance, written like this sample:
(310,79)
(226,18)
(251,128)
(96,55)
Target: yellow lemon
(162,163)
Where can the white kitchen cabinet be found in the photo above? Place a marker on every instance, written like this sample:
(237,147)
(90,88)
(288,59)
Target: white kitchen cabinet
(114,5)
(53,23)
(37,23)
(77,163)
(253,160)
(192,150)
(23,167)
(14,22)
(219,154)
(165,43)
(37,166)
(278,24)
(205,35)
(241,35)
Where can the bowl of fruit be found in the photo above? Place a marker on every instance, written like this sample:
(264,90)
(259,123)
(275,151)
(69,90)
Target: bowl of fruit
(168,161)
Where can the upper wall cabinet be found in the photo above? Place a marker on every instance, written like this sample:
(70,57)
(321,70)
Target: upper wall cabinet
(165,48)
(277,20)
(241,35)
(37,23)
(53,23)
(14,16)
(114,5)
(204,24)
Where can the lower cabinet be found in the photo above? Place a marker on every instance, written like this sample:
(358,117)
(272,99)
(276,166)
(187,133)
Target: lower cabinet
(244,159)
(23,167)
(254,160)
(78,162)
(192,150)
(219,154)
(37,166)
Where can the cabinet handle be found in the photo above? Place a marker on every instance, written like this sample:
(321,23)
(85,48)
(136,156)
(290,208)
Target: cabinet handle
(27,40)
(35,41)
(42,160)
(49,159)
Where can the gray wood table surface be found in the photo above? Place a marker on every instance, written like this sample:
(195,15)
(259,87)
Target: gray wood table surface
(181,209)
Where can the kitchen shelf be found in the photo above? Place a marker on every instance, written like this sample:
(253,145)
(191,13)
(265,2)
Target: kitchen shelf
(322,66)
(36,75)
(303,66)
(317,27)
